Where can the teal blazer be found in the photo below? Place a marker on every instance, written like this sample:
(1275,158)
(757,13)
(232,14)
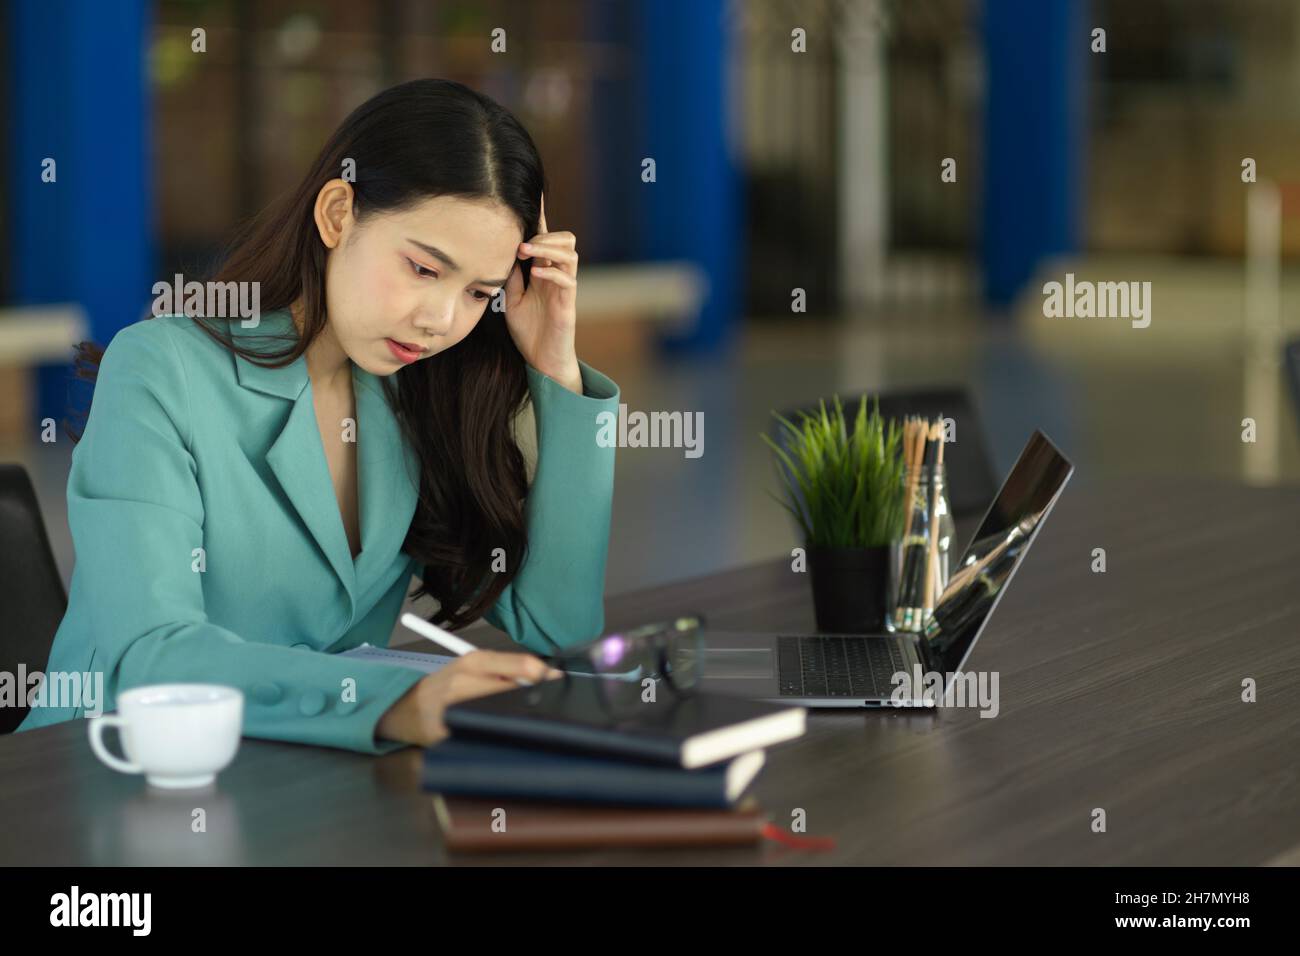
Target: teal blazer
(189,446)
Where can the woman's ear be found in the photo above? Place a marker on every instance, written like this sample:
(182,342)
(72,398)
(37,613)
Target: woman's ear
(333,211)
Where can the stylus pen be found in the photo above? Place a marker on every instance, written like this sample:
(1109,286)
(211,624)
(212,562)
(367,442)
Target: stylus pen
(451,642)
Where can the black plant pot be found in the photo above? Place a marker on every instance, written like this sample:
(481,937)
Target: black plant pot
(850,588)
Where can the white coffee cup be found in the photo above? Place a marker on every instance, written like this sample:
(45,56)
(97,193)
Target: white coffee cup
(177,735)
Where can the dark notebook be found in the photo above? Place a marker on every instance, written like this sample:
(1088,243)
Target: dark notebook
(459,766)
(609,717)
(477,826)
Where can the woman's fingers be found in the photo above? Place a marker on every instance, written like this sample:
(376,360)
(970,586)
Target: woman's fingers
(468,686)
(565,239)
(506,665)
(546,251)
(559,241)
(556,275)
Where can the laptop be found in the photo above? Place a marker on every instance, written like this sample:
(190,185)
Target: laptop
(856,670)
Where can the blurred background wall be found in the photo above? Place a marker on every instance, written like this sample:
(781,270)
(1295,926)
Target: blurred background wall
(798,147)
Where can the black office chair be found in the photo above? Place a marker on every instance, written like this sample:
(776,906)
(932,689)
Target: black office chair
(31,590)
(1291,359)
(971,482)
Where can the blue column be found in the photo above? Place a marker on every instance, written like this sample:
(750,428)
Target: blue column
(1034,137)
(81,98)
(693,210)
(613,146)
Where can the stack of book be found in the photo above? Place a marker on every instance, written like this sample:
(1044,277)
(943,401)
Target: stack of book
(557,767)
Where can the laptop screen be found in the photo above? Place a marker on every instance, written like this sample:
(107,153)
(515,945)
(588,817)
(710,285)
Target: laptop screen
(978,580)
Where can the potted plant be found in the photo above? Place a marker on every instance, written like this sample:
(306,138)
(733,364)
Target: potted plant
(846,489)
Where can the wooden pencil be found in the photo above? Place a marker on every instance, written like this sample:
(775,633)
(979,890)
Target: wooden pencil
(916,566)
(911,464)
(938,583)
(932,552)
(910,433)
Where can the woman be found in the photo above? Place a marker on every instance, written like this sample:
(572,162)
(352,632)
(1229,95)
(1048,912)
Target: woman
(250,498)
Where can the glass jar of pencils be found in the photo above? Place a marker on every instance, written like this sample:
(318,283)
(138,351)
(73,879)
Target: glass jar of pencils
(920,569)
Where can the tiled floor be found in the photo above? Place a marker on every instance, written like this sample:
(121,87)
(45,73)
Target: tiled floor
(677,517)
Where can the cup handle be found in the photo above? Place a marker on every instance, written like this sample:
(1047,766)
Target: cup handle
(96,730)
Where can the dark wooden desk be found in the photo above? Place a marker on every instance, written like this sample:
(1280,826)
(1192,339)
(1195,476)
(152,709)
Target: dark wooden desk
(1119,690)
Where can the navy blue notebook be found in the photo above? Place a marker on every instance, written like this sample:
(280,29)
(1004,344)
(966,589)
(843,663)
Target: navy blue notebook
(458,766)
(609,718)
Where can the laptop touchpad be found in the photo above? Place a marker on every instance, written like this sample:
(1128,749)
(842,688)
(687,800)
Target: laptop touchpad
(738,662)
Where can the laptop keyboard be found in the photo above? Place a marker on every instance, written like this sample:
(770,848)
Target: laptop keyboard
(827,666)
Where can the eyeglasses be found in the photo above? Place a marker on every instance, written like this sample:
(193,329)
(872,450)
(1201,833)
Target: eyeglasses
(672,650)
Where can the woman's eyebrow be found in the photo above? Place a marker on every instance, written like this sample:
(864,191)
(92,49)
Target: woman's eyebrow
(447,261)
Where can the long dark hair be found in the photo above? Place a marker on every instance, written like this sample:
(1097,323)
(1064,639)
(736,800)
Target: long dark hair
(421,139)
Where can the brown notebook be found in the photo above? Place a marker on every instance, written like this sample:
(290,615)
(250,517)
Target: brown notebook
(473,825)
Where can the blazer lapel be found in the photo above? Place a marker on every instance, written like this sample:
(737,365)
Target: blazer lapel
(388,474)
(387,467)
(296,456)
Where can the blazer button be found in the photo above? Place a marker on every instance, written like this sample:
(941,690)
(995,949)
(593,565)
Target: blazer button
(268,693)
(305,646)
(311,703)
